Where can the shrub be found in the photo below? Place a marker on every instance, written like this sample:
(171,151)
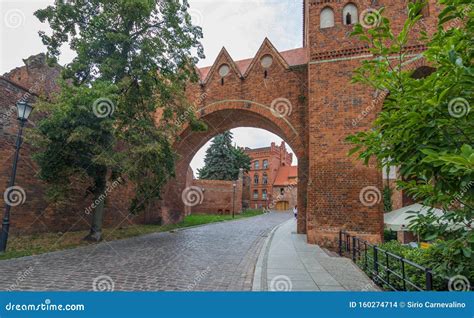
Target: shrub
(418,130)
(423,257)
(389,235)
(387,199)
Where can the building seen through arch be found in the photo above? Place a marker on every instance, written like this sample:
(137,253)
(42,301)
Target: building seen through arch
(275,179)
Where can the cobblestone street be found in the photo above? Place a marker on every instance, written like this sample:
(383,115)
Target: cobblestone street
(219,256)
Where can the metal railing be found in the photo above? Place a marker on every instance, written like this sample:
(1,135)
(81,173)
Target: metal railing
(385,268)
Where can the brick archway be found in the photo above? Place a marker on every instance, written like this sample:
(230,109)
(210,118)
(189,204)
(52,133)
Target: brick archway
(326,107)
(221,116)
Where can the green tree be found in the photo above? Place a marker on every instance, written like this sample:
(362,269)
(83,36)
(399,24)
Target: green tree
(426,126)
(223,161)
(133,60)
(241,161)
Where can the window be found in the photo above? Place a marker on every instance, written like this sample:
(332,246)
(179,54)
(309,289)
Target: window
(266,61)
(265,164)
(256,165)
(255,194)
(327,18)
(255,179)
(282,191)
(349,14)
(264,194)
(224,70)
(265,179)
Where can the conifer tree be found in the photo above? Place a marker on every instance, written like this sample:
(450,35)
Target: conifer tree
(223,160)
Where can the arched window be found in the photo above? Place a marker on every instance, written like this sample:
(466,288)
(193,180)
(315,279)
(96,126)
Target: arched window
(256,165)
(349,14)
(327,18)
(265,179)
(265,164)
(255,179)
(264,194)
(255,194)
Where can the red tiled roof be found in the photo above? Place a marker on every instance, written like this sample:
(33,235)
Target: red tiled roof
(204,71)
(285,173)
(243,65)
(296,56)
(292,57)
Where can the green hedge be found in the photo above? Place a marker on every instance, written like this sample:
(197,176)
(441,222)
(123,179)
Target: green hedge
(424,257)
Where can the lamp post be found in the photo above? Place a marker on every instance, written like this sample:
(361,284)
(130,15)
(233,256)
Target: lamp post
(24,110)
(233,201)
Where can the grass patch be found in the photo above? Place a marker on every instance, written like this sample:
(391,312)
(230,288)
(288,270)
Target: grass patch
(49,242)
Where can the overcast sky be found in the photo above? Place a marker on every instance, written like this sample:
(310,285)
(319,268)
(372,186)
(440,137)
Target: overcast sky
(239,25)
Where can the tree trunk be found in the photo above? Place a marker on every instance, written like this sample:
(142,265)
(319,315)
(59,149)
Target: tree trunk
(95,234)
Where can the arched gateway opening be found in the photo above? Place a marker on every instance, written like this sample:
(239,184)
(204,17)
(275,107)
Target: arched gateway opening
(308,101)
(220,117)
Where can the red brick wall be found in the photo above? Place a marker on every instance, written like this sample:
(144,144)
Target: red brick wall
(240,102)
(336,181)
(290,195)
(336,41)
(246,192)
(36,214)
(218,197)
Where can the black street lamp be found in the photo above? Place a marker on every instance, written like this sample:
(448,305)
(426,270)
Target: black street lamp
(233,201)
(24,110)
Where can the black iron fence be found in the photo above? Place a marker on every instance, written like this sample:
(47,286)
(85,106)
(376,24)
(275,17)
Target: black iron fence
(386,269)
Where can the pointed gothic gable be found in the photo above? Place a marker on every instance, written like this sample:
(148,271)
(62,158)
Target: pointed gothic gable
(222,58)
(242,68)
(265,48)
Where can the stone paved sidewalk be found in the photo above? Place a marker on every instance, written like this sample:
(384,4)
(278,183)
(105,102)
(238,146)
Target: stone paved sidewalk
(288,263)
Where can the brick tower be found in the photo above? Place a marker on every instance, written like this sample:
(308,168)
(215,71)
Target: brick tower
(336,181)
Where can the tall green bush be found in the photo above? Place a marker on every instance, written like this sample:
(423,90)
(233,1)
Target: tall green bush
(426,126)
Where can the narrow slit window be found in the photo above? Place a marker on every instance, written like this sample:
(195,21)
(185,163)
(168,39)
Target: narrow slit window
(350,14)
(348,19)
